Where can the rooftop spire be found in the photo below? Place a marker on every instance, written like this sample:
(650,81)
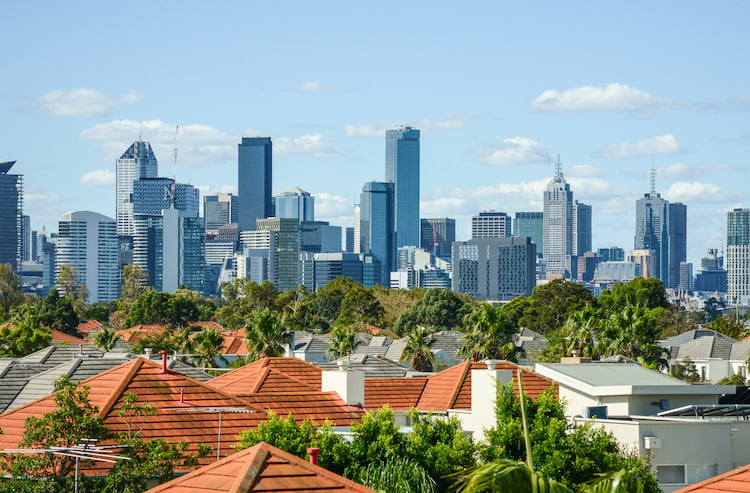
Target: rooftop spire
(652,176)
(558,167)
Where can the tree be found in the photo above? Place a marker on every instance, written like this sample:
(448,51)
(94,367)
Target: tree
(583,332)
(648,293)
(397,475)
(550,305)
(394,302)
(24,334)
(343,342)
(359,307)
(417,349)
(243,299)
(686,370)
(729,326)
(58,313)
(266,335)
(99,311)
(156,307)
(106,339)
(75,290)
(488,334)
(439,309)
(712,308)
(134,283)
(633,332)
(208,345)
(11,291)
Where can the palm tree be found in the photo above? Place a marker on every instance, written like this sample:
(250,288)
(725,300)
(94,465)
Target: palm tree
(489,335)
(584,331)
(208,344)
(343,342)
(183,342)
(266,335)
(106,339)
(632,332)
(417,349)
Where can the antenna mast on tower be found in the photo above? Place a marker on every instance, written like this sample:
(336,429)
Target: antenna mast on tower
(558,167)
(652,176)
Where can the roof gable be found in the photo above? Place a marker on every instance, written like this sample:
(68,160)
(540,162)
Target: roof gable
(732,481)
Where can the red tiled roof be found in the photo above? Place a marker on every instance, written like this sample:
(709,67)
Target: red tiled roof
(87,326)
(398,393)
(170,392)
(209,324)
(736,481)
(58,336)
(318,407)
(234,345)
(135,334)
(261,468)
(258,380)
(295,368)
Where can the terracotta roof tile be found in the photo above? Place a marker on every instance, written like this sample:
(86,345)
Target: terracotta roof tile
(261,468)
(318,407)
(294,368)
(398,393)
(735,481)
(135,334)
(88,326)
(58,336)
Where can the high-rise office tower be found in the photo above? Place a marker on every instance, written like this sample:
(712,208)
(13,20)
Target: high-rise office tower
(357,247)
(295,203)
(652,230)
(611,254)
(491,224)
(530,224)
(376,226)
(494,268)
(153,195)
(581,228)
(738,256)
(402,169)
(713,276)
(11,216)
(677,243)
(349,240)
(138,161)
(254,179)
(88,241)
(26,241)
(437,236)
(288,249)
(319,237)
(558,225)
(219,210)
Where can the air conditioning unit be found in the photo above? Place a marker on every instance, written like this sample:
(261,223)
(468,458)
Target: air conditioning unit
(651,443)
(596,412)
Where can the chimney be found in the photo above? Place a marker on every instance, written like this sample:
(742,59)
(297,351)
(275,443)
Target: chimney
(313,451)
(164,362)
(484,384)
(349,385)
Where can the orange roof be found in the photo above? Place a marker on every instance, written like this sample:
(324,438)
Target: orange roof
(316,406)
(398,393)
(87,326)
(170,392)
(261,468)
(737,480)
(234,345)
(135,334)
(210,324)
(251,377)
(259,380)
(58,336)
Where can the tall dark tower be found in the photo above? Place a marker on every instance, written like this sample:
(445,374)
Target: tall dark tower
(11,216)
(652,229)
(254,175)
(402,169)
(677,241)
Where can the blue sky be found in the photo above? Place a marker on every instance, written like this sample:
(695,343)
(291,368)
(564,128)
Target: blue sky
(497,88)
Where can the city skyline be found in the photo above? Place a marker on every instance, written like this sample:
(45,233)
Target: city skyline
(608,97)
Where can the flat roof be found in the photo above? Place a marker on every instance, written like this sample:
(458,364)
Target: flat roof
(608,374)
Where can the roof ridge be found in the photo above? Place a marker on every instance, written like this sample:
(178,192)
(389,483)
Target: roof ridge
(459,382)
(109,404)
(261,380)
(255,460)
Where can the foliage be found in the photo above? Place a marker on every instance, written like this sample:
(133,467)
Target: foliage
(134,283)
(58,313)
(507,475)
(75,290)
(99,311)
(24,334)
(729,326)
(207,345)
(633,332)
(343,342)
(712,308)
(648,293)
(106,339)
(11,291)
(397,475)
(685,370)
(549,305)
(417,349)
(488,334)
(243,298)
(570,456)
(266,335)
(735,379)
(393,302)
(439,309)
(359,308)
(155,307)
(375,438)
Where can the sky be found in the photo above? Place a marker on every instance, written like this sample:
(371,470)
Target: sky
(498,89)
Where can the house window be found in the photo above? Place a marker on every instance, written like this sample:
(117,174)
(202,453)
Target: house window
(670,474)
(685,474)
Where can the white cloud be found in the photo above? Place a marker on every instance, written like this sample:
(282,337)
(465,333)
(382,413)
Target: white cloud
(588,98)
(594,188)
(367,130)
(81,102)
(515,151)
(197,144)
(33,196)
(329,206)
(662,144)
(98,178)
(682,171)
(313,86)
(308,145)
(699,192)
(426,126)
(584,171)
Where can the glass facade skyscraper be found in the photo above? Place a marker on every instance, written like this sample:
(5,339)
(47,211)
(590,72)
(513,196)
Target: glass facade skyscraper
(581,228)
(652,233)
(677,242)
(295,203)
(254,178)
(438,235)
(138,161)
(402,169)
(152,195)
(11,216)
(738,256)
(219,210)
(558,226)
(376,226)
(531,225)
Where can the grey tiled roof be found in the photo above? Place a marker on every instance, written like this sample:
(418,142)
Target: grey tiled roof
(690,335)
(373,367)
(740,351)
(712,347)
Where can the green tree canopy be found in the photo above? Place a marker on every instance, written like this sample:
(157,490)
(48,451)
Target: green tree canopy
(343,342)
(24,334)
(75,290)
(439,309)
(488,334)
(418,349)
(549,305)
(11,292)
(649,293)
(58,313)
(266,335)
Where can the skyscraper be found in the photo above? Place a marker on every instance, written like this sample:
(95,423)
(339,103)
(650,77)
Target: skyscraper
(677,242)
(558,225)
(138,161)
(288,249)
(254,178)
(295,203)
(581,228)
(153,195)
(402,169)
(530,224)
(738,256)
(88,242)
(652,230)
(491,224)
(219,210)
(376,226)
(11,216)
(438,235)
